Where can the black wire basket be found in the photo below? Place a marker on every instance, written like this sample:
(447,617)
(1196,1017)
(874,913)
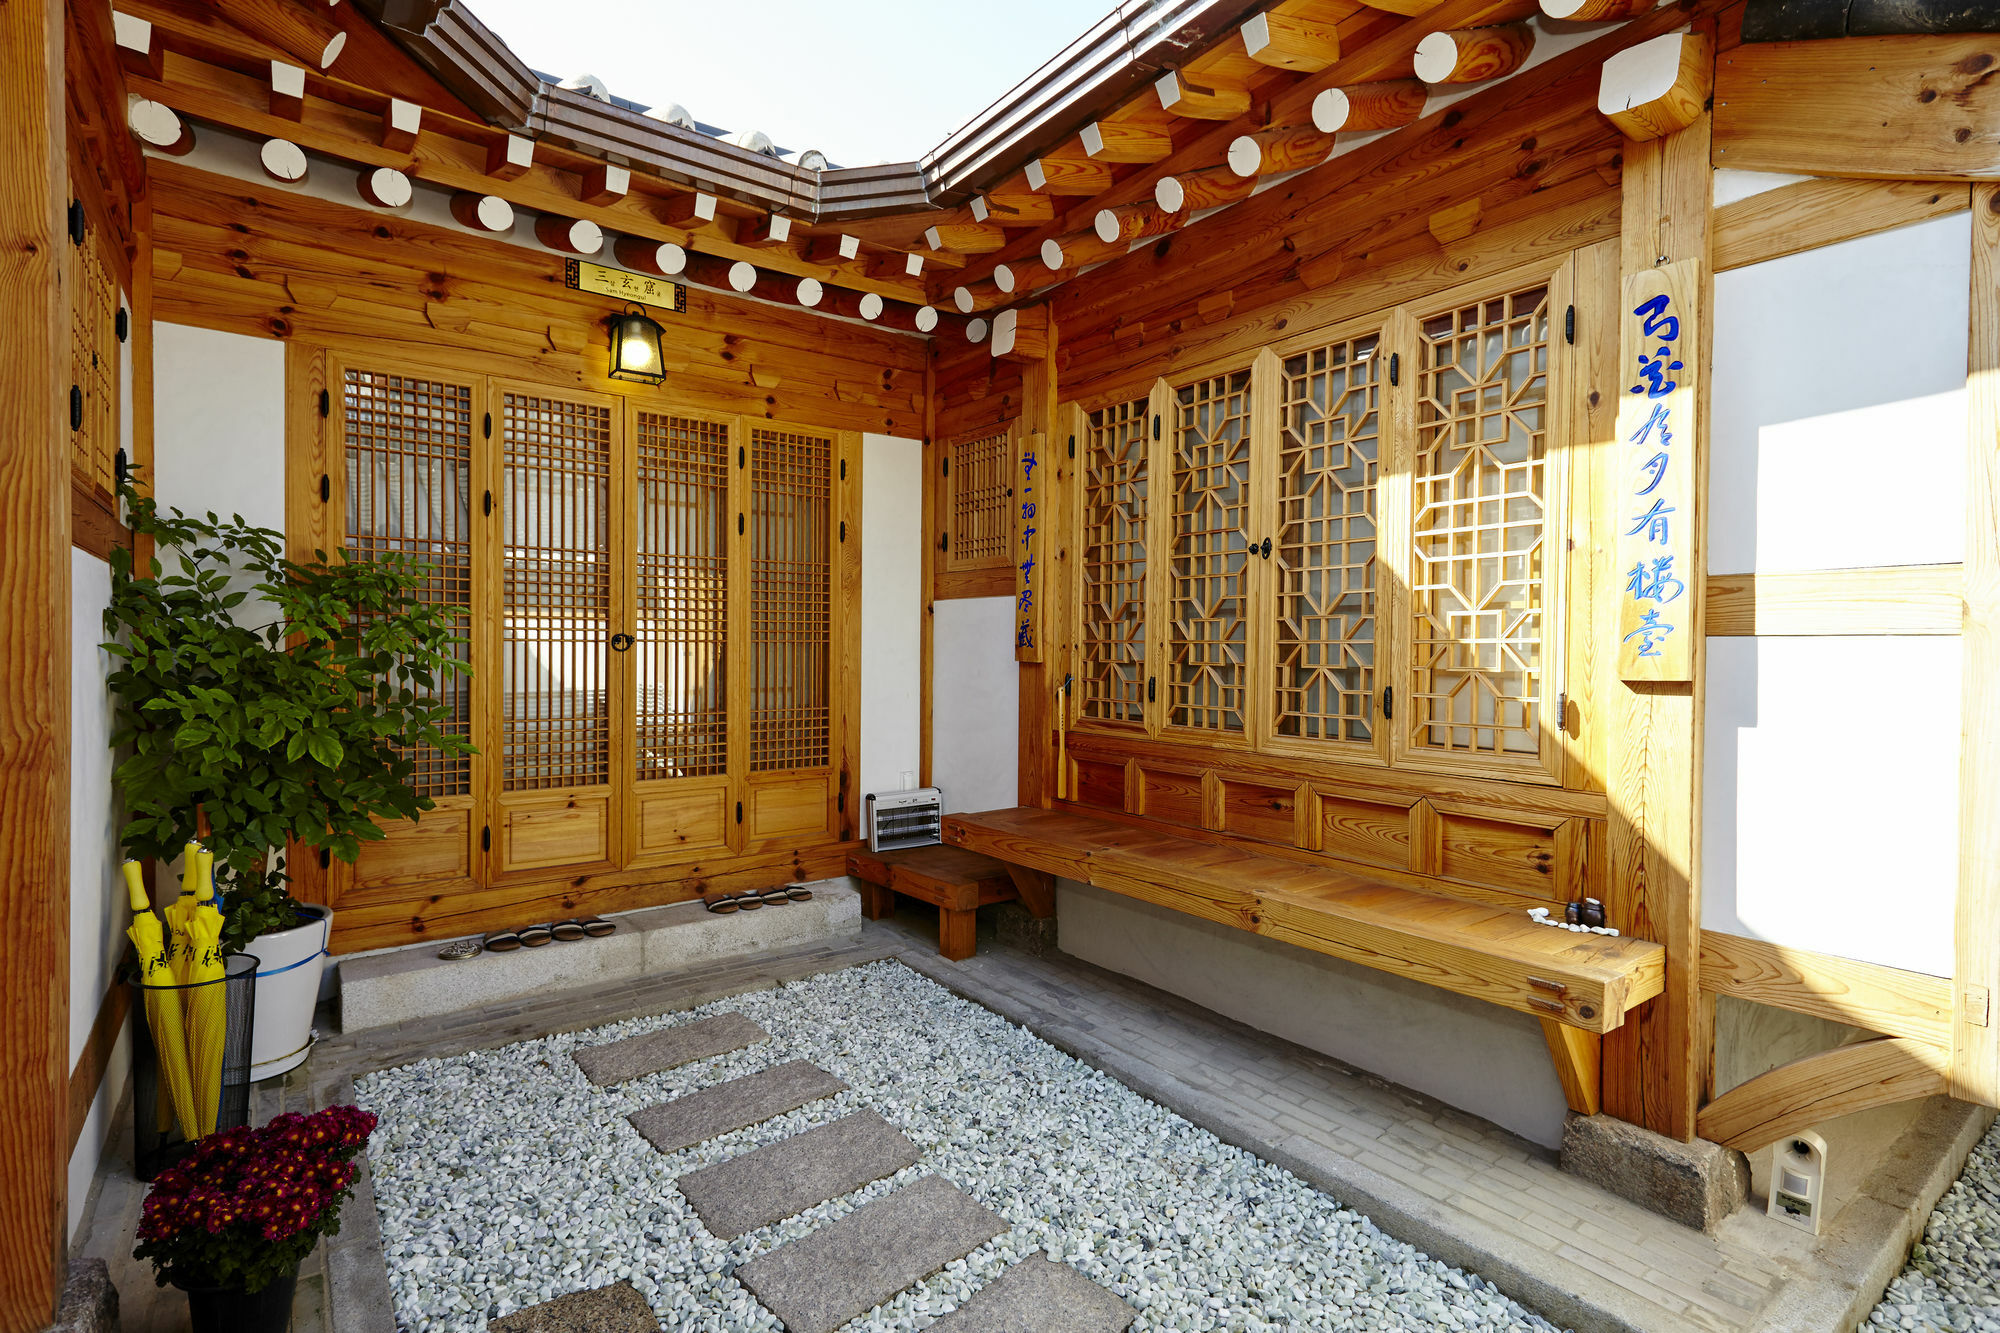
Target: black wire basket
(154,1147)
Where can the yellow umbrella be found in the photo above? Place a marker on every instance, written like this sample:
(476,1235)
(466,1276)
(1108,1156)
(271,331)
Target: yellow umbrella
(178,911)
(163,1006)
(208,1010)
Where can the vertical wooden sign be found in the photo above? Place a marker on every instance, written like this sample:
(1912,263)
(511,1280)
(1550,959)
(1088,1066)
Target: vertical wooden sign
(1659,357)
(1034,487)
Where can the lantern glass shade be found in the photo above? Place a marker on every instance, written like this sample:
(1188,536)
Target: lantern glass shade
(635,349)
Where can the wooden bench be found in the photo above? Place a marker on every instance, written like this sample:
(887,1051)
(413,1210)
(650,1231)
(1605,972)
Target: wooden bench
(1586,982)
(956,882)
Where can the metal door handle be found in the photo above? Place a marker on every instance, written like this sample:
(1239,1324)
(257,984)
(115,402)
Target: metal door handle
(620,642)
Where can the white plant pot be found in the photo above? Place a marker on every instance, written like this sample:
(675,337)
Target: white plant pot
(288,973)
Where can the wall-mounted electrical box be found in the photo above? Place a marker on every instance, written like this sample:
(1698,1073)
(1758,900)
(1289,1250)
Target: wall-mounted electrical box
(904,818)
(1798,1181)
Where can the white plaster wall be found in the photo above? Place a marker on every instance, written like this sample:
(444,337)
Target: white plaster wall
(1830,795)
(892,539)
(219,423)
(1476,1056)
(975,703)
(1839,405)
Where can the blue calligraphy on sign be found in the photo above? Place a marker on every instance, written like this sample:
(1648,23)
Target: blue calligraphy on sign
(1024,600)
(1667,330)
(1655,583)
(1650,632)
(1653,523)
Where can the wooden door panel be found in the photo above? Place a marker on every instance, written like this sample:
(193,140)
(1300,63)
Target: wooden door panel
(1172,796)
(1500,853)
(436,846)
(678,817)
(541,832)
(1100,784)
(1375,833)
(1257,810)
(788,808)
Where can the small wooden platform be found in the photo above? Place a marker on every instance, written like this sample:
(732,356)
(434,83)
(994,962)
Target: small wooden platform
(955,881)
(1490,953)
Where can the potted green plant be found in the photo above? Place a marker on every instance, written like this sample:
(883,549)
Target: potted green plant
(262,699)
(231,1222)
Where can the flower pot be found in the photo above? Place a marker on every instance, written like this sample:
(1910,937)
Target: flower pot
(287,991)
(232,1310)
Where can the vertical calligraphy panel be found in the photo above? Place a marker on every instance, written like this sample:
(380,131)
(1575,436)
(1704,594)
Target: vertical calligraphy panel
(1659,359)
(1033,489)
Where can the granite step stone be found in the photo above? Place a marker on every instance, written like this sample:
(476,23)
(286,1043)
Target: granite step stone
(783,1179)
(752,1099)
(1039,1295)
(618,1308)
(669,1048)
(817,1283)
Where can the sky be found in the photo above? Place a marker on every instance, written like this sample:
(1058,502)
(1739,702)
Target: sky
(863,81)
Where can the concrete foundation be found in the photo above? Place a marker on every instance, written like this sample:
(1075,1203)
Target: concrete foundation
(403,984)
(89,1301)
(1697,1184)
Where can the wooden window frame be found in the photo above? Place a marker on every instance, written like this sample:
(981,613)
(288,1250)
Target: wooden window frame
(970,457)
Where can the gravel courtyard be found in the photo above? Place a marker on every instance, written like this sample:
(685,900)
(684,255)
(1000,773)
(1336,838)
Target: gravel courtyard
(1953,1278)
(503,1179)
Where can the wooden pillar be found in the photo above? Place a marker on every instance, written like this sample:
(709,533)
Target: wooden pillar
(1652,1065)
(927,608)
(1036,775)
(1975,1061)
(34,670)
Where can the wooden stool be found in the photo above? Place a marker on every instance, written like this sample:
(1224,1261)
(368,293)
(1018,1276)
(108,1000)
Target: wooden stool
(956,882)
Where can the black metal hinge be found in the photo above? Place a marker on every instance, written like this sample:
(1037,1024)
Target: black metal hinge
(947,465)
(1151,683)
(486,839)
(741,456)
(843,530)
(1562,712)
(840,803)
(1395,367)
(1156,428)
(325,403)
(325,488)
(122,324)
(486,426)
(1569,326)
(739,812)
(944,541)
(1072,446)
(75,407)
(843,469)
(1388,702)
(121,467)
(739,525)
(76,221)
(486,504)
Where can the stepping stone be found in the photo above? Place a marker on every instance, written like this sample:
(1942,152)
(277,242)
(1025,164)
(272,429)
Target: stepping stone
(1039,1295)
(669,1048)
(785,1178)
(752,1099)
(617,1308)
(847,1268)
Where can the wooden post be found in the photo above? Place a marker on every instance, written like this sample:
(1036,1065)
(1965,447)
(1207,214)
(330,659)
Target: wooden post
(1038,677)
(1652,1065)
(34,670)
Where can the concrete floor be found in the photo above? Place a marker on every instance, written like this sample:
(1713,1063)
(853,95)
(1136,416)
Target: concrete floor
(1460,1188)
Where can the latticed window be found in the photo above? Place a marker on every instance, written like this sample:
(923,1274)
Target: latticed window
(556,593)
(1478,565)
(1329,452)
(409,492)
(93,354)
(977,488)
(791,598)
(682,595)
(1114,564)
(1208,631)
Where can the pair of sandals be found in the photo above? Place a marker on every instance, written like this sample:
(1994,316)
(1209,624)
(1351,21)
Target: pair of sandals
(751,899)
(534,937)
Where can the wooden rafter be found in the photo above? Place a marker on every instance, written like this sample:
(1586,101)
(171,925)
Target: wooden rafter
(1821,1087)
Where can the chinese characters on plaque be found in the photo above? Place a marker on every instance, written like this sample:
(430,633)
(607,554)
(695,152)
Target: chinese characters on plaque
(581,275)
(1659,358)
(1032,485)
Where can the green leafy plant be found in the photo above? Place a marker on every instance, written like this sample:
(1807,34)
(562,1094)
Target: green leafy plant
(277,698)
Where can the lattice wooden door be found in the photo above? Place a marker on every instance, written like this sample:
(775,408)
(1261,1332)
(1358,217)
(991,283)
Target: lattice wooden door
(977,486)
(562,682)
(1207,552)
(1112,637)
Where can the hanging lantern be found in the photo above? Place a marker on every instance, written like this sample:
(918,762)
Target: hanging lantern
(635,348)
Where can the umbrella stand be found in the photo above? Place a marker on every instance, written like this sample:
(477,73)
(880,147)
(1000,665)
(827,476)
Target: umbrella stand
(153,1148)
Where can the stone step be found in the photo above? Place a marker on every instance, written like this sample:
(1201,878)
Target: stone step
(1039,1295)
(669,1048)
(618,1308)
(701,1115)
(819,1282)
(397,985)
(783,1179)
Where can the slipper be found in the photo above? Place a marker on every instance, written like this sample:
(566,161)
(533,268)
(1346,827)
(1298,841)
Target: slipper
(459,949)
(597,927)
(776,897)
(502,941)
(798,893)
(567,931)
(534,937)
(726,903)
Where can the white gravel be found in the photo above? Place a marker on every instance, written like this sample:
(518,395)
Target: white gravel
(504,1179)
(1952,1281)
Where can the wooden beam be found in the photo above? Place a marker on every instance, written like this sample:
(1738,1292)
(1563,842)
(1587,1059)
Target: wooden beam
(1294,42)
(1021,334)
(1383,105)
(1975,1063)
(401,123)
(608,182)
(1192,191)
(300,31)
(1448,226)
(1060,253)
(1068,174)
(1126,223)
(1809,214)
(509,157)
(574,236)
(1470,55)
(138,44)
(660,258)
(1595,11)
(482,212)
(1912,107)
(88,1075)
(1125,141)
(288,90)
(1576,1054)
(838,249)
(694,210)
(282,160)
(1901,599)
(1013,210)
(34,668)
(1841,990)
(1822,1087)
(735,275)
(1185,96)
(384,187)
(159,128)
(768,230)
(1268,152)
(1036,887)
(1658,86)
(968,238)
